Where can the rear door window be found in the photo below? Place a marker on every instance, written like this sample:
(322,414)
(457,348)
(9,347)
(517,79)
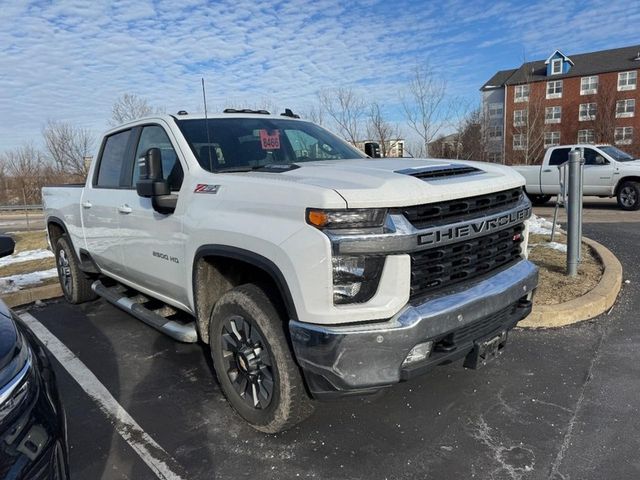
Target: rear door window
(559,156)
(112,160)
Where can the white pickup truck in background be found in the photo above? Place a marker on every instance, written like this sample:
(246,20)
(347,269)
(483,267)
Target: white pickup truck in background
(608,172)
(310,269)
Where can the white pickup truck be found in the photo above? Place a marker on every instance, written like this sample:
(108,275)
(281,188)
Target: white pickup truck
(310,269)
(608,172)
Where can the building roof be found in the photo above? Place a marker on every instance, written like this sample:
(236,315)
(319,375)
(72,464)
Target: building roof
(593,63)
(499,79)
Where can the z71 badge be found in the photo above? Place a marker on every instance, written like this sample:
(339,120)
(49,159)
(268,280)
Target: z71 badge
(204,188)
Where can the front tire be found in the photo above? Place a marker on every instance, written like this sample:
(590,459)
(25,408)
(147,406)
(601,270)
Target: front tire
(76,287)
(253,361)
(629,196)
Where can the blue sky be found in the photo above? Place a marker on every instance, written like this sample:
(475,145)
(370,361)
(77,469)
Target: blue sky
(69,60)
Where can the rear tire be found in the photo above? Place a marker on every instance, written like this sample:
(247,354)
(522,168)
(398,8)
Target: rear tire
(629,196)
(253,361)
(75,284)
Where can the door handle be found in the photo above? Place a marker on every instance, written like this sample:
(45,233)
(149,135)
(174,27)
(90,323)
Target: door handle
(86,204)
(547,170)
(125,209)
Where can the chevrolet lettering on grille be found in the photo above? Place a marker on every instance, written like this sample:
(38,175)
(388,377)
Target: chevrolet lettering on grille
(452,233)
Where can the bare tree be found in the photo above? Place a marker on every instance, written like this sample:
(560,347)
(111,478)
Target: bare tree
(423,105)
(131,107)
(381,131)
(315,114)
(24,166)
(530,127)
(346,109)
(69,147)
(604,123)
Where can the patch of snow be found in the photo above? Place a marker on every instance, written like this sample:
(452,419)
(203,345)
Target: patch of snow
(540,225)
(556,246)
(25,256)
(13,283)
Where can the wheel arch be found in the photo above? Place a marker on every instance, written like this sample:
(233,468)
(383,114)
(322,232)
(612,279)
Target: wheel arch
(630,178)
(219,268)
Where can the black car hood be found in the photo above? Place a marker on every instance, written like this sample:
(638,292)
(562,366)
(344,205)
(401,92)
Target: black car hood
(8,336)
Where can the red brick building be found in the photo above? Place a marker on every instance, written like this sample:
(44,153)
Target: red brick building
(585,98)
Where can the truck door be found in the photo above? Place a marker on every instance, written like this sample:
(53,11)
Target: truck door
(549,176)
(598,173)
(153,243)
(100,201)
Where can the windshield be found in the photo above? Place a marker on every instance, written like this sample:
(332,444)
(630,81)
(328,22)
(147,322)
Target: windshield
(617,154)
(243,144)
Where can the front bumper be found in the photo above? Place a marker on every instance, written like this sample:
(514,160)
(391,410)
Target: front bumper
(362,358)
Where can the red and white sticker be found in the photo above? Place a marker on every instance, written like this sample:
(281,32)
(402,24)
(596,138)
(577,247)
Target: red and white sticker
(270,141)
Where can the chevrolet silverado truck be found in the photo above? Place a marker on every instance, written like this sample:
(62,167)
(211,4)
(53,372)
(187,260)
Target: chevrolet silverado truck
(608,172)
(311,270)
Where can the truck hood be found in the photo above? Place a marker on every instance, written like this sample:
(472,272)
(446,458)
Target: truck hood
(391,182)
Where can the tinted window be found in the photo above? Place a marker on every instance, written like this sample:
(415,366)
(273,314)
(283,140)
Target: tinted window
(559,156)
(249,143)
(154,136)
(112,159)
(590,157)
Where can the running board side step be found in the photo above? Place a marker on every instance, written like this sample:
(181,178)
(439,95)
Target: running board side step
(183,332)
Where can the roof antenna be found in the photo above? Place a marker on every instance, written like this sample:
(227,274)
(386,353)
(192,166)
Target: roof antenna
(206,122)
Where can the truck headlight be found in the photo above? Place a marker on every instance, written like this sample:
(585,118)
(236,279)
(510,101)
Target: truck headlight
(346,218)
(355,278)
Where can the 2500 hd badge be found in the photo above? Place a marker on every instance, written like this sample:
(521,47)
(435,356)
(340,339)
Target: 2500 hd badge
(164,256)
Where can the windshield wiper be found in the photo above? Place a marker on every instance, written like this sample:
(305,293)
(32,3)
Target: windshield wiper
(270,167)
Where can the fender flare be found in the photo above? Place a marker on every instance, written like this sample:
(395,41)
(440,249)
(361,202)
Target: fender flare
(251,258)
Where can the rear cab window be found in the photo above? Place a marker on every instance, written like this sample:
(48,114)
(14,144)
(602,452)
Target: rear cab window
(112,159)
(559,156)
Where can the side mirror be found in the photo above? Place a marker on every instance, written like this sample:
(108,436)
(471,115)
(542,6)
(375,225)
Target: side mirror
(7,245)
(600,160)
(152,182)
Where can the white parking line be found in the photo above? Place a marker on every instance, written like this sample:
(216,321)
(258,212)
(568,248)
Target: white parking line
(156,458)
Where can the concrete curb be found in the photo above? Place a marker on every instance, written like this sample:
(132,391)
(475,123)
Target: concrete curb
(23,297)
(590,305)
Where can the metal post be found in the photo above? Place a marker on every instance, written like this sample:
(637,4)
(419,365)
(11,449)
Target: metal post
(574,212)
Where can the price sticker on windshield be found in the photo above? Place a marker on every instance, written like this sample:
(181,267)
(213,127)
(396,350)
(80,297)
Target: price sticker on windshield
(270,141)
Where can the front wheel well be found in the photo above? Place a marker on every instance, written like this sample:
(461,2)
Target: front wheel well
(55,231)
(216,274)
(623,180)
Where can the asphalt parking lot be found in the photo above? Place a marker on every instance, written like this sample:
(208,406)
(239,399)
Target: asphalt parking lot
(557,404)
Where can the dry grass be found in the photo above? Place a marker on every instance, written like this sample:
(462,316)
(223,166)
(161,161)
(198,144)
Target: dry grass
(29,241)
(555,287)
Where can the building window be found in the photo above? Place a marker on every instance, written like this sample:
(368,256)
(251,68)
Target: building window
(624,135)
(519,141)
(587,112)
(494,132)
(589,85)
(586,136)
(552,114)
(551,139)
(554,89)
(556,66)
(626,108)
(519,118)
(495,110)
(627,80)
(522,93)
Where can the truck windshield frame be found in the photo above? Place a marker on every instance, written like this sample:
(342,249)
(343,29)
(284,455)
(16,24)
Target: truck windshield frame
(248,143)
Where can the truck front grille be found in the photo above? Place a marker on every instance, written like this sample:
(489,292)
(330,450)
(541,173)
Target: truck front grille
(458,262)
(451,211)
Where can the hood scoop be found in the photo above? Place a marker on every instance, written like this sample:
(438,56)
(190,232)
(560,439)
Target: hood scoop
(441,172)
